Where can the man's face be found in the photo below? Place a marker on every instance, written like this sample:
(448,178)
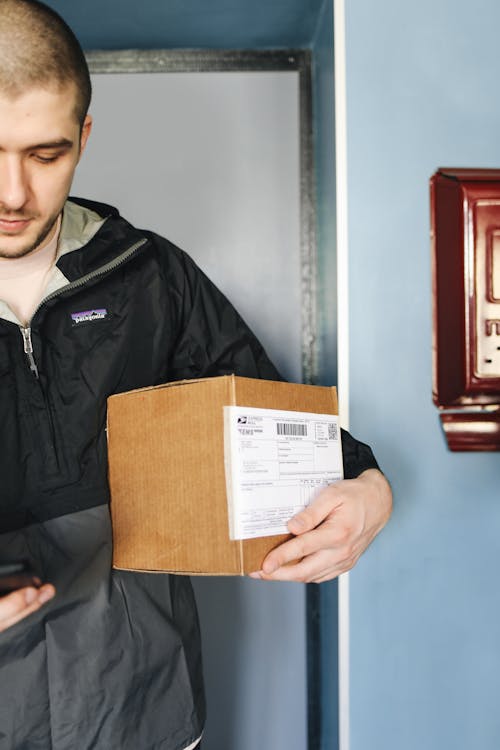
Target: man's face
(40,145)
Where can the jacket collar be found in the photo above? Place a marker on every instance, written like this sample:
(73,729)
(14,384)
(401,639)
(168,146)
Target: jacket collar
(92,235)
(79,225)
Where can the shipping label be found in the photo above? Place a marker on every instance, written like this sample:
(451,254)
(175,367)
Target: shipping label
(276,463)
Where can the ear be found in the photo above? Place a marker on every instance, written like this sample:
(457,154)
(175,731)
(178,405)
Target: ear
(86,128)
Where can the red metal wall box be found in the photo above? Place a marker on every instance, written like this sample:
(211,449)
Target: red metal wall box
(465,242)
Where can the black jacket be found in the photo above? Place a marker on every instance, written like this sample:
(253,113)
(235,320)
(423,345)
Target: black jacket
(113,662)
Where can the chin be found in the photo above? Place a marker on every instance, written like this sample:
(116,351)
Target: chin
(17,252)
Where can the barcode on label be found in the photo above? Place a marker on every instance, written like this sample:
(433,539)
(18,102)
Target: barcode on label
(291,429)
(332,431)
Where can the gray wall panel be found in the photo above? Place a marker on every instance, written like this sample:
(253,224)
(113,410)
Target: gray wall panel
(211,160)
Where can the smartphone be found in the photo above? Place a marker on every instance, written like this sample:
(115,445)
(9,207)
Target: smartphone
(16,574)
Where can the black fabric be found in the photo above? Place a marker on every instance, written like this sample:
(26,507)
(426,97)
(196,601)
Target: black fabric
(114,661)
(164,320)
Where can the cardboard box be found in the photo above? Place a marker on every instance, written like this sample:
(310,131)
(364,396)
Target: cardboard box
(167,477)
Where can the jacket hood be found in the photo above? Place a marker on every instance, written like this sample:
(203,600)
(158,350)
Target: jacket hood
(93,235)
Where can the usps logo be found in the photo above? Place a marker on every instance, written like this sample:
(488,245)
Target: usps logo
(242,420)
(89,316)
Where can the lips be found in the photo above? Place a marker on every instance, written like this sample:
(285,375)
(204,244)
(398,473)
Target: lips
(13,226)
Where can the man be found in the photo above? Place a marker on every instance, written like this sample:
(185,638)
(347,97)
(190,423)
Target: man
(96,658)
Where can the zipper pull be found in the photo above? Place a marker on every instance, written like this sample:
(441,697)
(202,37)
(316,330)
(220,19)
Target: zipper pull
(28,349)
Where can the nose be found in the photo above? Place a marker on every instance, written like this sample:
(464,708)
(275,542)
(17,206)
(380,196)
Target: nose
(13,182)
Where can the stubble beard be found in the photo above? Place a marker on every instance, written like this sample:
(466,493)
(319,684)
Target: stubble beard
(23,251)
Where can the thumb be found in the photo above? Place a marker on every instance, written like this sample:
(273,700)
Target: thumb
(316,512)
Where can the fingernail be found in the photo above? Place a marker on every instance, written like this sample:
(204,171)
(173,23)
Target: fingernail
(255,575)
(297,522)
(45,594)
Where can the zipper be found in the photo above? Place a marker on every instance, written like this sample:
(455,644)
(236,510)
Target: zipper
(28,350)
(106,268)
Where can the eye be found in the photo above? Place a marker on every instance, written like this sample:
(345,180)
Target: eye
(45,159)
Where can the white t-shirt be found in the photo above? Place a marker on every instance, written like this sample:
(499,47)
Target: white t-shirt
(23,280)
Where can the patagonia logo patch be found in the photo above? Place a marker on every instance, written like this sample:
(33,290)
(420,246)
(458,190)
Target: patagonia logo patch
(89,316)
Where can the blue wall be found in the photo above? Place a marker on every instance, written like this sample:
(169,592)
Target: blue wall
(423,84)
(236,24)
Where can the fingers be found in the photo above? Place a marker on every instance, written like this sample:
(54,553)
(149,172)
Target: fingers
(322,505)
(327,536)
(315,556)
(315,568)
(14,607)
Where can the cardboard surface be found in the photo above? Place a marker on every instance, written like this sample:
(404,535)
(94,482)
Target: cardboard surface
(167,478)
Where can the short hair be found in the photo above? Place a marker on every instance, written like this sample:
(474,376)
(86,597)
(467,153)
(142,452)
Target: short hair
(38,48)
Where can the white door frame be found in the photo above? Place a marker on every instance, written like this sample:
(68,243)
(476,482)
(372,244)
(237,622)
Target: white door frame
(342,333)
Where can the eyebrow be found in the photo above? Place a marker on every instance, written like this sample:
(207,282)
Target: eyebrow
(60,143)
